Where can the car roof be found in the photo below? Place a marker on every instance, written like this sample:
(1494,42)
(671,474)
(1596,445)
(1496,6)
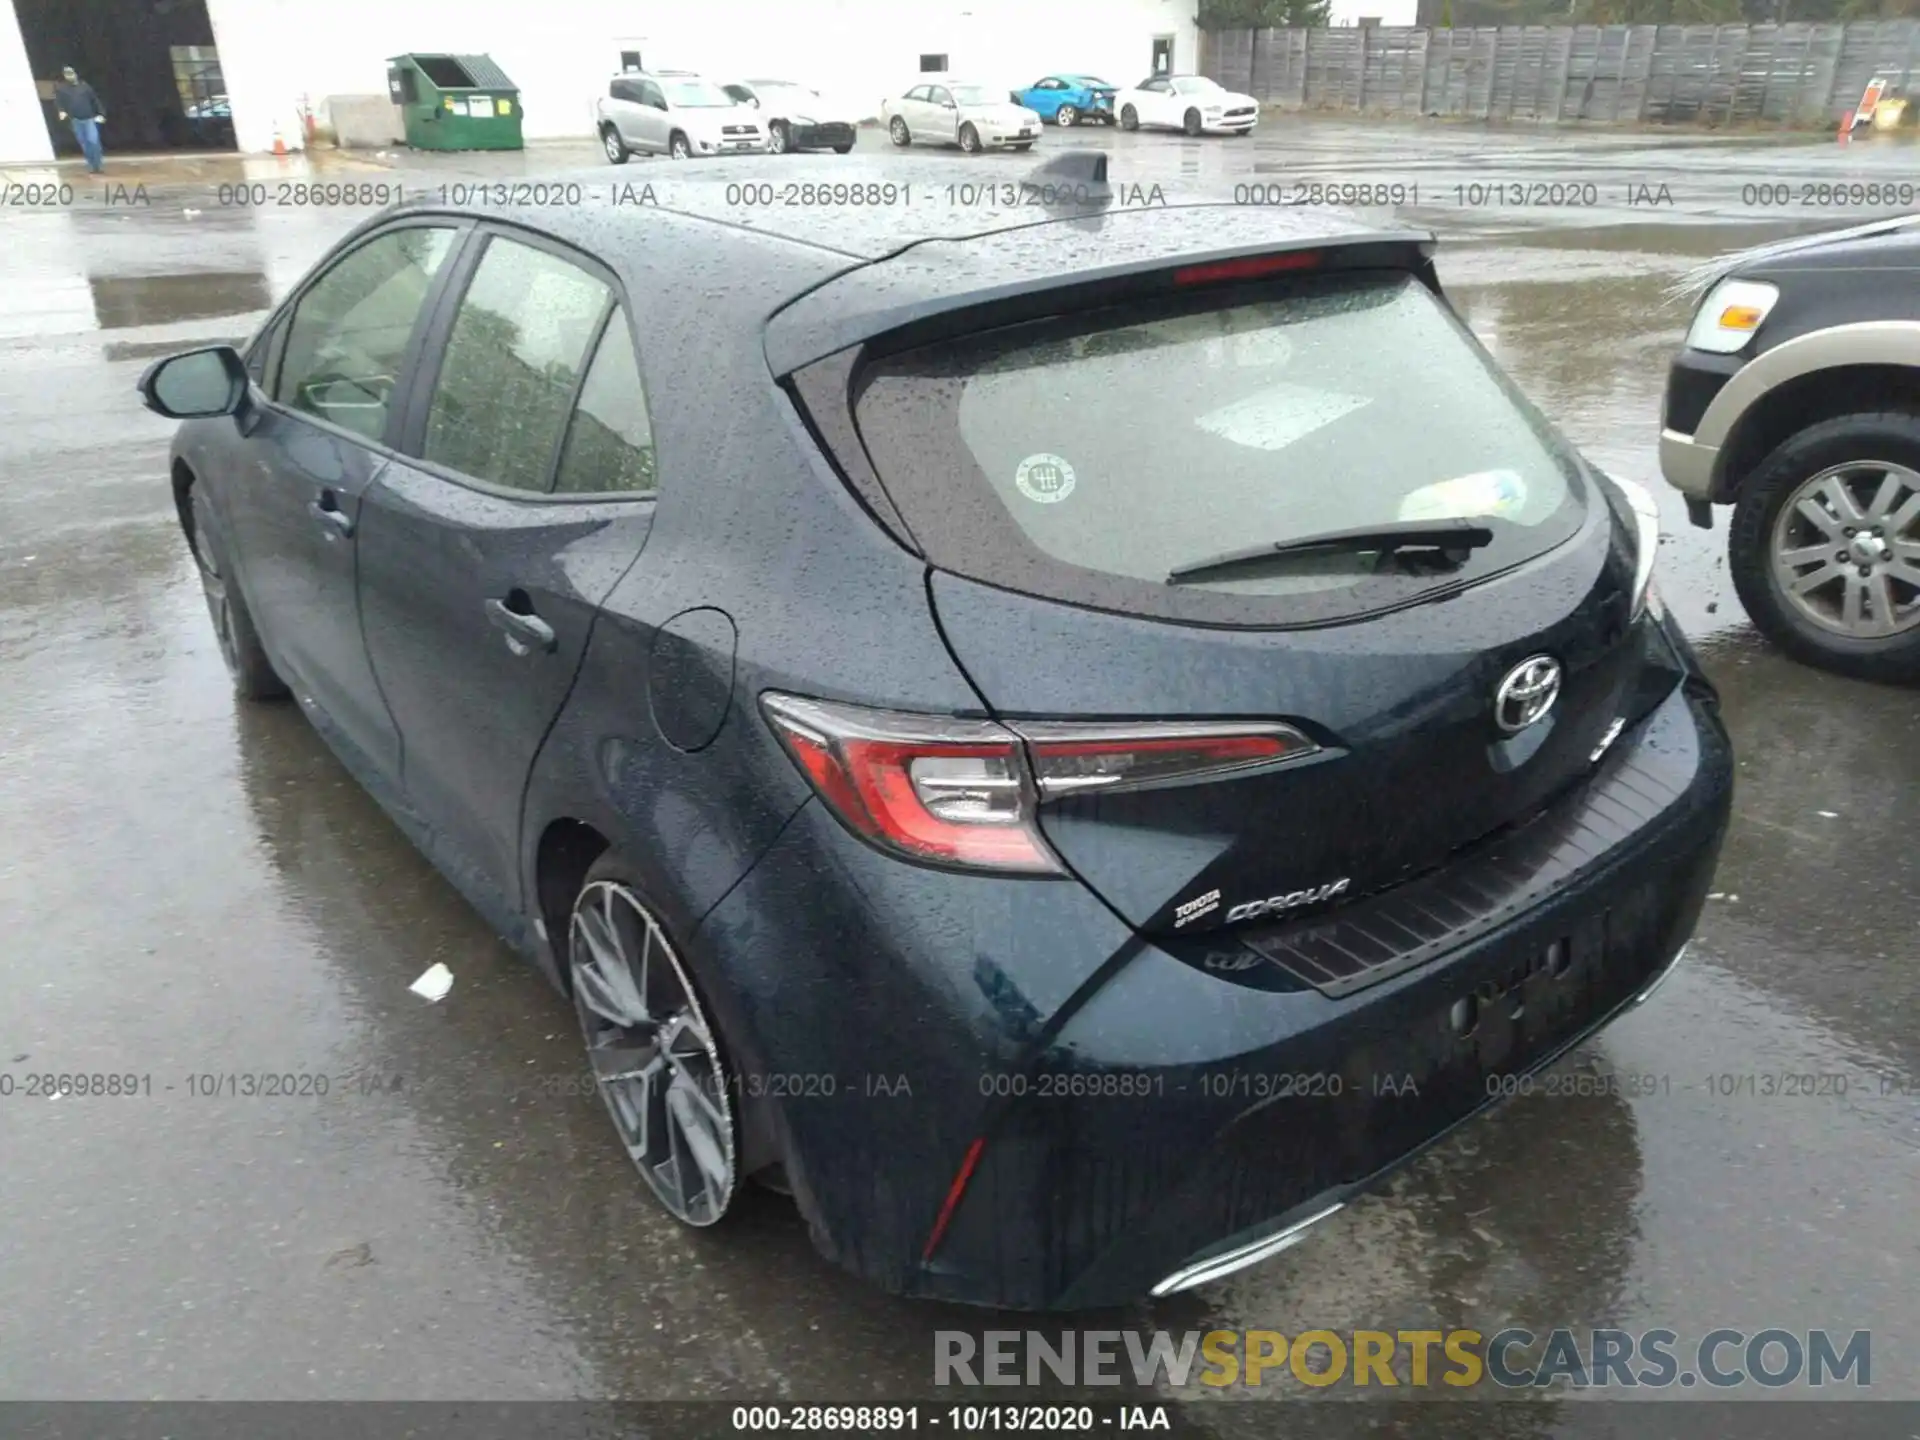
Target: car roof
(861,269)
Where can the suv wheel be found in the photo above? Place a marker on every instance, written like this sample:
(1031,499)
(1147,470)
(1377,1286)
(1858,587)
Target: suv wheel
(615,147)
(1825,546)
(677,146)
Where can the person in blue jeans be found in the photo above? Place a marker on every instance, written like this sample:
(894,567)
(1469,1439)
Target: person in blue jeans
(80,107)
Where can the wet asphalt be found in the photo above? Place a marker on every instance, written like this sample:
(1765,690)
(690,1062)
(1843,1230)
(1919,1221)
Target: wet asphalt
(193,891)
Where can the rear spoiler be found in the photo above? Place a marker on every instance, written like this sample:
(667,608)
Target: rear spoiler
(1072,194)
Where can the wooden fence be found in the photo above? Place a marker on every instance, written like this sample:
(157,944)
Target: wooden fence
(1788,75)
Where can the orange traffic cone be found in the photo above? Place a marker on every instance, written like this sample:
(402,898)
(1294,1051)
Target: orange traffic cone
(279,144)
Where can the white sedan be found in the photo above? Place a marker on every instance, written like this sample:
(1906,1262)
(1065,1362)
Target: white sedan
(1192,103)
(974,117)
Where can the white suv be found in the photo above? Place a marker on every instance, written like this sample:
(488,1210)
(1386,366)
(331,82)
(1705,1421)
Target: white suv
(677,113)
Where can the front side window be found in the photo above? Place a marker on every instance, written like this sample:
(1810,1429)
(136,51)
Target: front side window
(609,446)
(518,345)
(1103,452)
(347,338)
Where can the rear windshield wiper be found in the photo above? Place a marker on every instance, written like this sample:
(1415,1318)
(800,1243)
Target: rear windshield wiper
(1454,540)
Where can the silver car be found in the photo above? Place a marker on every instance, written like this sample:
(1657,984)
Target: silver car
(974,117)
(677,113)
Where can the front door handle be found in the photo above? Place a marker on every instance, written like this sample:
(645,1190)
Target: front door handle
(328,512)
(525,632)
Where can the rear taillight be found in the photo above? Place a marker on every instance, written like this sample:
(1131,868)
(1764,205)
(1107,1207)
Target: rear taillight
(965,793)
(936,790)
(1070,759)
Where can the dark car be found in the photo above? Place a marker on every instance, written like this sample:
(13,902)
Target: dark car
(1071,744)
(1796,400)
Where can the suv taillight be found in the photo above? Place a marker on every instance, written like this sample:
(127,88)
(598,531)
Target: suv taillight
(965,793)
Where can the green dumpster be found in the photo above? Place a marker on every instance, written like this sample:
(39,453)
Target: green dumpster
(455,102)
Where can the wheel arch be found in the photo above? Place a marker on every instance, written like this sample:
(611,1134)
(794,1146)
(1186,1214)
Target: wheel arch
(1781,410)
(183,480)
(565,852)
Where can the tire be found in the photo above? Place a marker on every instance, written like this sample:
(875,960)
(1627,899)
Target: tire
(616,148)
(678,1122)
(898,133)
(1066,115)
(254,677)
(1787,507)
(679,147)
(969,139)
(1129,118)
(843,149)
(777,137)
(1190,122)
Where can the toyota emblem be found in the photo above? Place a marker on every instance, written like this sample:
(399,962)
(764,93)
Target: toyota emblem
(1527,694)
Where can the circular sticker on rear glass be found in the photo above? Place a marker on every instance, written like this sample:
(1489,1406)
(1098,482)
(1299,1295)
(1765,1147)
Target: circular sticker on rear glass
(1044,478)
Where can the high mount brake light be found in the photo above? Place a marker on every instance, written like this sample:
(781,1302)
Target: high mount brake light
(1250,267)
(966,793)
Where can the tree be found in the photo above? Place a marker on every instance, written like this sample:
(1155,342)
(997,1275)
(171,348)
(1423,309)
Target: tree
(1264,14)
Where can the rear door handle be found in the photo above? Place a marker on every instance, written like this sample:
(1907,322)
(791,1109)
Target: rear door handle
(328,512)
(525,633)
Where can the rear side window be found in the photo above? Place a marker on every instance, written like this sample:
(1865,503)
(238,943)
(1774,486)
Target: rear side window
(518,346)
(609,447)
(1088,458)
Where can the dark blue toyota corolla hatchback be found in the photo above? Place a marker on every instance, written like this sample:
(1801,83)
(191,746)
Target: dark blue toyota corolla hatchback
(1070,740)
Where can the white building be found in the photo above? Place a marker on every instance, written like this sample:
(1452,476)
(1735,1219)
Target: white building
(272,53)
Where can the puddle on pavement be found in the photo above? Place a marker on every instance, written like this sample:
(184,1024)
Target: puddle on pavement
(121,350)
(126,301)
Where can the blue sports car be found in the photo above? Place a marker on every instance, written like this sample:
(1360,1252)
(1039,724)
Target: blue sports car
(1068,99)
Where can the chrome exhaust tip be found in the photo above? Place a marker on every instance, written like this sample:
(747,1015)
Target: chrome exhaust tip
(1661,979)
(1217,1266)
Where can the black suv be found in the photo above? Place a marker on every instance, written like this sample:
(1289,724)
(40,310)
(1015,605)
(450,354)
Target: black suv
(1797,401)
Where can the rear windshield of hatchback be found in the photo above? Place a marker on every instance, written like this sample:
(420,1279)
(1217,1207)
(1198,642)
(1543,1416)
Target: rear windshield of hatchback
(1088,458)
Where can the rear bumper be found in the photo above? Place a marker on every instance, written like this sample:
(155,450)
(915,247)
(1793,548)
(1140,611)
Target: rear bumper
(1130,1115)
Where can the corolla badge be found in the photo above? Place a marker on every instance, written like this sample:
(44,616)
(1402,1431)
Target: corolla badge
(1527,693)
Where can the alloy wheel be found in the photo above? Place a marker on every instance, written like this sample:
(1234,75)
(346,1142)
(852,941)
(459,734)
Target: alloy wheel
(678,148)
(1846,550)
(653,1053)
(897,131)
(615,151)
(220,607)
(777,138)
(1065,116)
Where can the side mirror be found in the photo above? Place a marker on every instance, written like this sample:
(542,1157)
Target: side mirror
(196,385)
